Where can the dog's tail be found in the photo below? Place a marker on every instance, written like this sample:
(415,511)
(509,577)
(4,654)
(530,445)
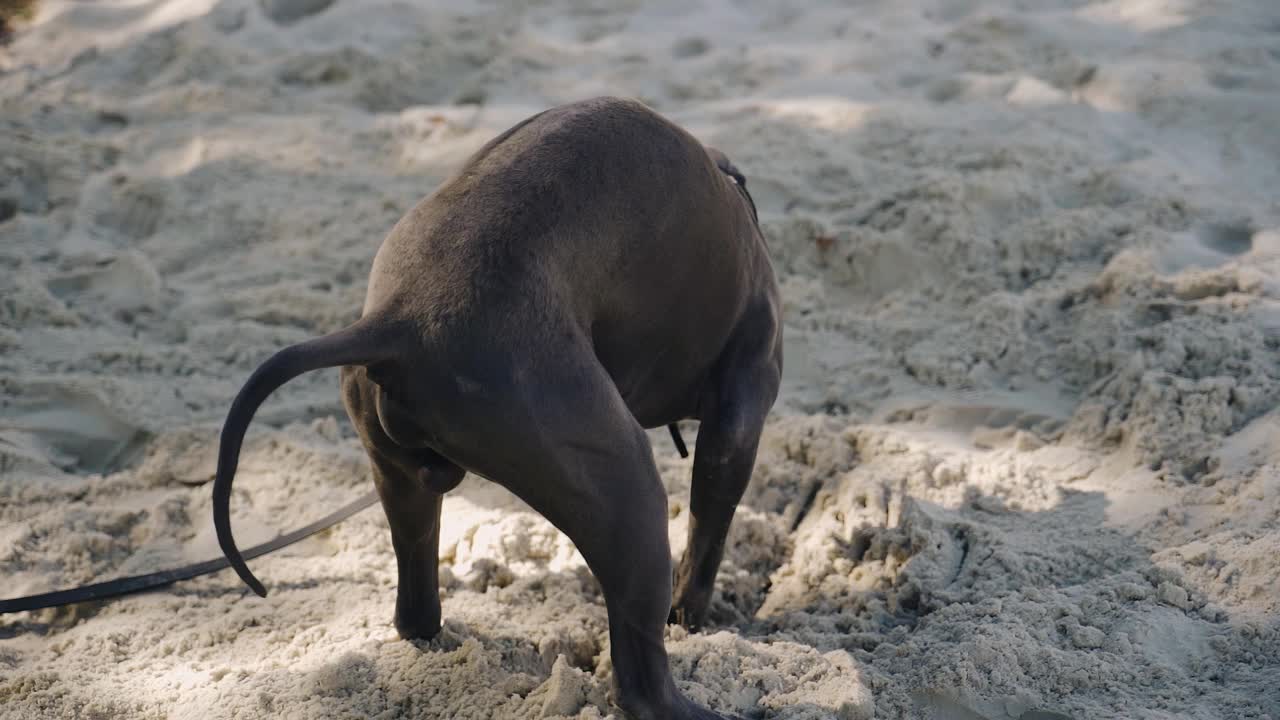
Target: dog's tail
(360,343)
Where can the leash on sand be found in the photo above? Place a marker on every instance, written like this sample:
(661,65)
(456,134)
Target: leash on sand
(150,581)
(138,583)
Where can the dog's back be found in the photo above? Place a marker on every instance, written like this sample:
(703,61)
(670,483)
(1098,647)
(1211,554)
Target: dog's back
(590,211)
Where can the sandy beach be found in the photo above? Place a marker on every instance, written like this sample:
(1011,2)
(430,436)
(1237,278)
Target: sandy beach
(1026,460)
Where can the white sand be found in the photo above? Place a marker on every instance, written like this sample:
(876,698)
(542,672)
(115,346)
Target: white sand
(1026,463)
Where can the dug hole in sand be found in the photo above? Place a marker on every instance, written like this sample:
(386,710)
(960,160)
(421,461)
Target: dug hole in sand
(1026,460)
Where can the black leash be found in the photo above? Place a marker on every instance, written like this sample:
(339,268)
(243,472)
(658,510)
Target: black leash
(138,583)
(679,441)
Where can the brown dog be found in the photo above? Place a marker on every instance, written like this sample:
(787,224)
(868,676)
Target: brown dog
(589,273)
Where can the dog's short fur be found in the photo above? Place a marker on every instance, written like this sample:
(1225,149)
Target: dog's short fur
(589,273)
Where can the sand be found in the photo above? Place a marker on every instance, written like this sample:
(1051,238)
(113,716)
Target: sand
(1025,464)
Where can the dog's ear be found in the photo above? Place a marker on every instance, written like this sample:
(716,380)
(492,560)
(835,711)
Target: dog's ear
(726,166)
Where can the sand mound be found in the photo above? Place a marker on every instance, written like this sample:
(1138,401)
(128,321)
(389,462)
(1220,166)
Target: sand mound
(1024,466)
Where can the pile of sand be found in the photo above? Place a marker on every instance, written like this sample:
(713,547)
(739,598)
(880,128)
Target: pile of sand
(1026,462)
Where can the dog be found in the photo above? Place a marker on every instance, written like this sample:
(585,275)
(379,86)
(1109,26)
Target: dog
(589,273)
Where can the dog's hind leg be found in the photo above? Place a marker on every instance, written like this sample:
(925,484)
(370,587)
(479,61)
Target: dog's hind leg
(572,450)
(733,415)
(410,482)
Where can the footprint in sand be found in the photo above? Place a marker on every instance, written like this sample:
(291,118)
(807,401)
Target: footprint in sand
(1227,239)
(934,705)
(287,12)
(127,207)
(1025,423)
(126,283)
(76,429)
(690,47)
(326,68)
(1224,80)
(24,187)
(1206,246)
